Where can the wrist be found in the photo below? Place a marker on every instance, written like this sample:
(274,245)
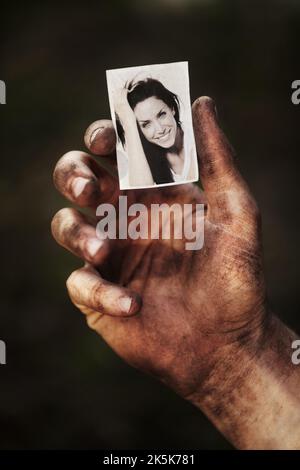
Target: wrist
(251,394)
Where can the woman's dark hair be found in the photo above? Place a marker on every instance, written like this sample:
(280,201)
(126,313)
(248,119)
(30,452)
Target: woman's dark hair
(155,155)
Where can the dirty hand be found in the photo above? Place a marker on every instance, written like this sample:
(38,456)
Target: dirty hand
(173,313)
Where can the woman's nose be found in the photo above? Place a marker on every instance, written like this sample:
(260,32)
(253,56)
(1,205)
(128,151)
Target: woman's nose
(158,128)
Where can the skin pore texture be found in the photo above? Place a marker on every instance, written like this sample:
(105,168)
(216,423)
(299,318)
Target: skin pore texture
(198,321)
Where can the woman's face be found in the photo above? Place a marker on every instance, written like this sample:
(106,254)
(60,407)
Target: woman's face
(156,121)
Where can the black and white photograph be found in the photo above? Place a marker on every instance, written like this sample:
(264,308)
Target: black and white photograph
(151,111)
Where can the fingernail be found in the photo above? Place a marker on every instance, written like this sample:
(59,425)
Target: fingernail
(78,185)
(125,304)
(93,246)
(94,133)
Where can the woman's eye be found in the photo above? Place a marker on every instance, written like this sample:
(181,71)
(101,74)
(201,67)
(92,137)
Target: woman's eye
(145,125)
(162,114)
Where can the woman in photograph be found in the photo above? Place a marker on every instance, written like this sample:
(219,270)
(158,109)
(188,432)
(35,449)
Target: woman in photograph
(149,127)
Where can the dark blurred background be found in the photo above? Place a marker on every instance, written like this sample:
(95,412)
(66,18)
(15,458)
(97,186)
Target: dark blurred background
(62,386)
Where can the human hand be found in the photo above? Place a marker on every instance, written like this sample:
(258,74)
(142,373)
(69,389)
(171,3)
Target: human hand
(170,312)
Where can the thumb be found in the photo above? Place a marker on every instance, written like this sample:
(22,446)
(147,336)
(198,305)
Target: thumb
(226,191)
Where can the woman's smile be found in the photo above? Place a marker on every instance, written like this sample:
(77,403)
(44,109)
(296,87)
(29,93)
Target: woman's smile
(164,136)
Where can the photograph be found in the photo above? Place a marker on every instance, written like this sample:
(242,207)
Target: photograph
(150,316)
(151,111)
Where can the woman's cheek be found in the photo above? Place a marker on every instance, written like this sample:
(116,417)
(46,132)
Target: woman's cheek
(149,134)
(144,131)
